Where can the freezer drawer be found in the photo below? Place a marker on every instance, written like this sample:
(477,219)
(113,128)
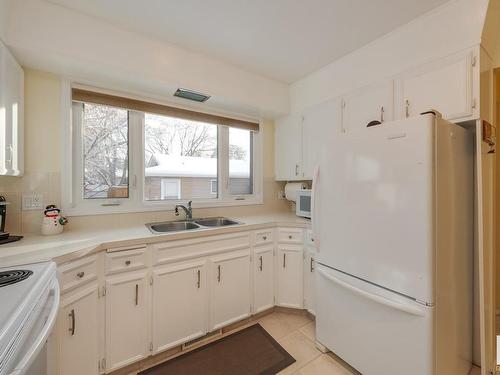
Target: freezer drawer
(376,331)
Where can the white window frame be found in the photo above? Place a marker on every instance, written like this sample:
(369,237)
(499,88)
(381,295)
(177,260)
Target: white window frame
(72,200)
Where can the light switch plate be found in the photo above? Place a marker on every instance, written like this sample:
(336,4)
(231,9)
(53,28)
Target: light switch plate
(32,201)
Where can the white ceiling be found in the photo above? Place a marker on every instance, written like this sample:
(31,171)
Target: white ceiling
(281,39)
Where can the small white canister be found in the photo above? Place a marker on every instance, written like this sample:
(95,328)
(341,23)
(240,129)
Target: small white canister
(53,222)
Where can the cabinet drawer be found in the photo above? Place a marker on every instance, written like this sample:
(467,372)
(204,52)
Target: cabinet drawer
(126,259)
(290,235)
(79,272)
(310,238)
(264,237)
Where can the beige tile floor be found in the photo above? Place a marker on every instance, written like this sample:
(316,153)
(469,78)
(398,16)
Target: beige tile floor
(297,335)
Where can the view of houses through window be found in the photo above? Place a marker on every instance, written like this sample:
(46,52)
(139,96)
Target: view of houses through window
(183,158)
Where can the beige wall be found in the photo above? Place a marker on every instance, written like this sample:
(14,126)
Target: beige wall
(43,166)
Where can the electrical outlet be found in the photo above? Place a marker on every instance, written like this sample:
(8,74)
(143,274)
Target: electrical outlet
(32,201)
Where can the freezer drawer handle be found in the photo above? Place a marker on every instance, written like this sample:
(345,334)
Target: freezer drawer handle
(410,309)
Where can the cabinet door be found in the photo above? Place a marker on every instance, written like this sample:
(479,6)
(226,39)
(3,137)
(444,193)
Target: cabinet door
(263,278)
(11,113)
(289,264)
(372,103)
(78,326)
(288,148)
(309,280)
(446,87)
(127,319)
(230,288)
(318,122)
(179,304)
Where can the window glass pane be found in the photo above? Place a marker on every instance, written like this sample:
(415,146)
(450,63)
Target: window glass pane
(240,161)
(105,152)
(183,151)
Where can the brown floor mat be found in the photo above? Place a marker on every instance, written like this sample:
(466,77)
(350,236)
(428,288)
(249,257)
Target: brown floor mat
(251,351)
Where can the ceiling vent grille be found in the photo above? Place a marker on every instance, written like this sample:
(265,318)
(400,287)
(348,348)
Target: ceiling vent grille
(191,95)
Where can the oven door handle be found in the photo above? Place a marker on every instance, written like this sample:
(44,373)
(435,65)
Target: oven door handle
(23,365)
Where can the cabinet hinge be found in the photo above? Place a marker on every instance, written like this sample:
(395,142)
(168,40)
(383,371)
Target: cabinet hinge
(274,300)
(474,103)
(473,61)
(99,365)
(103,291)
(304,303)
(103,364)
(150,280)
(151,346)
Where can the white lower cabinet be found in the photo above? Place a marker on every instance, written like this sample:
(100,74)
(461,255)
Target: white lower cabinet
(263,278)
(290,265)
(309,280)
(78,327)
(180,301)
(230,297)
(127,319)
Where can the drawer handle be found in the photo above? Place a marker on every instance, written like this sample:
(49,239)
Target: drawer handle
(264,238)
(218,273)
(312,265)
(73,322)
(136,294)
(284,260)
(260,265)
(80,274)
(198,284)
(312,239)
(290,237)
(127,262)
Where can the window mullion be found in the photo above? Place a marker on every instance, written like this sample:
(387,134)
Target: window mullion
(136,157)
(223,158)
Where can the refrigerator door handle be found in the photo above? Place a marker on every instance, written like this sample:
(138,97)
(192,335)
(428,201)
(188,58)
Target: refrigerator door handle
(314,192)
(408,308)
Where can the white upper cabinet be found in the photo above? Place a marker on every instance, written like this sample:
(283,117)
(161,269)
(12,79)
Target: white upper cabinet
(446,86)
(11,115)
(179,304)
(288,148)
(369,104)
(316,127)
(230,300)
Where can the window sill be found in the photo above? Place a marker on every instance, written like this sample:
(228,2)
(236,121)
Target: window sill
(128,207)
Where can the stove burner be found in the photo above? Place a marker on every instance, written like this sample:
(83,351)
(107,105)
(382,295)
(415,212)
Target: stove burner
(13,276)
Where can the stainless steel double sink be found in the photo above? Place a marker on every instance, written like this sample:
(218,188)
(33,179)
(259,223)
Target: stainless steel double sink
(185,225)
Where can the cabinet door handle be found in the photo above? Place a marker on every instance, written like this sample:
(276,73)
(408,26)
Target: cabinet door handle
(407,108)
(218,273)
(284,260)
(198,284)
(260,265)
(80,274)
(382,110)
(73,322)
(127,262)
(264,238)
(296,169)
(136,294)
(290,237)
(312,265)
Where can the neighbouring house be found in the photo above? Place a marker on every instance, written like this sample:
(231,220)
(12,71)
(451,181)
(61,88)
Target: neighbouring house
(175,177)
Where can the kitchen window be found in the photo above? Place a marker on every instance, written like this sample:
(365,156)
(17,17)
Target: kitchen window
(127,155)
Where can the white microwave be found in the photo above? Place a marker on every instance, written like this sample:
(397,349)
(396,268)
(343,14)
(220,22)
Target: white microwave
(303,203)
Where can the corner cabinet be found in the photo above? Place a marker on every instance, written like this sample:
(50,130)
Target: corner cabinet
(288,148)
(11,115)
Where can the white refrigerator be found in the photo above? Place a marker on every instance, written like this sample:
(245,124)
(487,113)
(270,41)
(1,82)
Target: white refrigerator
(393,212)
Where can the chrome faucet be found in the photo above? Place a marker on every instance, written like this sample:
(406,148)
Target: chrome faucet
(188,210)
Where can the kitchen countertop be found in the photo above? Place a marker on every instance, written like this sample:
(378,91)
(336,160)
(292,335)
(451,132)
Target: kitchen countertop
(73,244)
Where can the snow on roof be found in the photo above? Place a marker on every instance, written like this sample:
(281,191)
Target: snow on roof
(189,166)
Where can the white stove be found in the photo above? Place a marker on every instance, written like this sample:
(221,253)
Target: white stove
(29,296)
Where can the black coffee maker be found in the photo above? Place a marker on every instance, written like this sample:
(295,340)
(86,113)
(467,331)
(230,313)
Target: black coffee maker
(5,237)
